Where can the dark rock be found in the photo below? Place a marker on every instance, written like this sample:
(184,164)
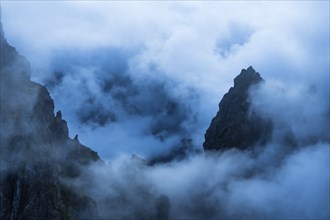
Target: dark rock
(76,138)
(162,207)
(36,152)
(2,35)
(58,115)
(234,124)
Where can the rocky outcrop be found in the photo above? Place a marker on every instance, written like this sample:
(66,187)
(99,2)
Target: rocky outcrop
(36,152)
(234,124)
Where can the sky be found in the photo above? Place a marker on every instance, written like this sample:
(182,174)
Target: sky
(147,77)
(140,77)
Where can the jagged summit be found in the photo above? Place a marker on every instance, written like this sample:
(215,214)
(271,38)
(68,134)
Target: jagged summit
(3,39)
(2,35)
(234,125)
(247,77)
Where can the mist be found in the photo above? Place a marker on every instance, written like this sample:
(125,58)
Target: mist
(145,78)
(187,52)
(288,178)
(229,185)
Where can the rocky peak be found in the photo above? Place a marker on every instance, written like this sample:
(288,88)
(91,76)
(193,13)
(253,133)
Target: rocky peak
(14,67)
(2,35)
(234,125)
(36,150)
(59,115)
(247,77)
(76,139)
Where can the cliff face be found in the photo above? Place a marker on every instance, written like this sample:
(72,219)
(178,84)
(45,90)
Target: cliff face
(36,152)
(234,125)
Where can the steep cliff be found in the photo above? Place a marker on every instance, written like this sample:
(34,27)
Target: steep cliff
(36,152)
(234,124)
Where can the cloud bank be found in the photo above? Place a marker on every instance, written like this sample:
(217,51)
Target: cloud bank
(184,53)
(230,185)
(142,77)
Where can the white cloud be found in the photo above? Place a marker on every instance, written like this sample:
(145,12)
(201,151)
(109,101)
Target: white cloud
(199,47)
(183,41)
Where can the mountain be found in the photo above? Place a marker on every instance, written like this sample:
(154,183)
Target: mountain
(37,153)
(39,159)
(234,124)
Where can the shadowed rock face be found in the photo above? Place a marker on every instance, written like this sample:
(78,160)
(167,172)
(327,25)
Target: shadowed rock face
(234,125)
(36,151)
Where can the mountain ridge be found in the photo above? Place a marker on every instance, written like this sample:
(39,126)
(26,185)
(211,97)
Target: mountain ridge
(36,151)
(234,125)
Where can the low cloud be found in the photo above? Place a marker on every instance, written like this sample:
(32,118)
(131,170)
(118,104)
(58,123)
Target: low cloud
(113,55)
(230,185)
(145,78)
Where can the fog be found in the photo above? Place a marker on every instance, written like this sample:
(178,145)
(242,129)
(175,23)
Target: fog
(144,78)
(188,52)
(288,178)
(230,185)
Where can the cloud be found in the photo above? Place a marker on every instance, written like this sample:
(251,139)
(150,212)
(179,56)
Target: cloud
(134,77)
(109,94)
(163,50)
(230,185)
(302,109)
(199,46)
